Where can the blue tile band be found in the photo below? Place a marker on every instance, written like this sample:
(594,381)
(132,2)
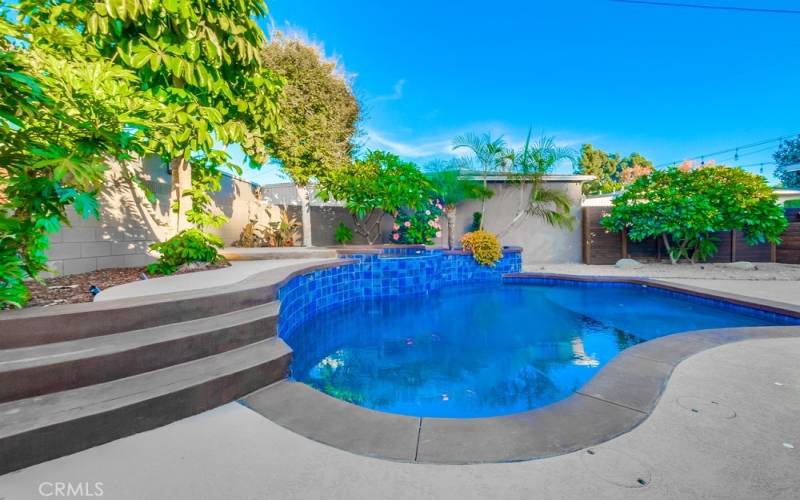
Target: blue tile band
(395,272)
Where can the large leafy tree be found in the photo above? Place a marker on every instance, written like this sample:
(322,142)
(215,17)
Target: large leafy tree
(374,186)
(200,58)
(612,172)
(788,154)
(685,207)
(61,118)
(319,115)
(602,166)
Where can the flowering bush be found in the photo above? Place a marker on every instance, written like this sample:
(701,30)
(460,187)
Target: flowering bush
(485,247)
(419,228)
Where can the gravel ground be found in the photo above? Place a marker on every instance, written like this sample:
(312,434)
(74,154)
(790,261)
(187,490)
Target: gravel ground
(763,271)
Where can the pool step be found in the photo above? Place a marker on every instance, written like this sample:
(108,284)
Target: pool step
(41,428)
(44,369)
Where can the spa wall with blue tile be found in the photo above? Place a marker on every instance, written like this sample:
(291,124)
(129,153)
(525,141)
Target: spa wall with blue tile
(392,273)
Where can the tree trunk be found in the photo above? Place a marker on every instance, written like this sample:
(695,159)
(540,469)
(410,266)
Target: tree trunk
(450,213)
(305,208)
(181,181)
(483,205)
(669,248)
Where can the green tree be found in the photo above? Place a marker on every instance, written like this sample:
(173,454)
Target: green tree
(600,164)
(379,184)
(612,172)
(685,206)
(199,58)
(488,154)
(319,114)
(788,154)
(61,118)
(452,188)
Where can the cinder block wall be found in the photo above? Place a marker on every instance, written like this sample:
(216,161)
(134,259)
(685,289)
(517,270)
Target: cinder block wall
(129,222)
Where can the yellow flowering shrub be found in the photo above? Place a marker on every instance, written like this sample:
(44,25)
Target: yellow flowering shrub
(485,247)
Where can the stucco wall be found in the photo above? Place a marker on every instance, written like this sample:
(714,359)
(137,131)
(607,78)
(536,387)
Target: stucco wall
(540,241)
(129,222)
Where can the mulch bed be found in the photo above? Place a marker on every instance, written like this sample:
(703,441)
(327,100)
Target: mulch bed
(74,288)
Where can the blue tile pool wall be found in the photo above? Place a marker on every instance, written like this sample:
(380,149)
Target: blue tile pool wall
(386,275)
(730,306)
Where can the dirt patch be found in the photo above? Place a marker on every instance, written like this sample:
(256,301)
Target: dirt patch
(75,288)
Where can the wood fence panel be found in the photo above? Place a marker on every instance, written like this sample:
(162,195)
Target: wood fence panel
(788,252)
(724,247)
(600,246)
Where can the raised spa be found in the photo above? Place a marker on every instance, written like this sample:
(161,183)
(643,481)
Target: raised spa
(489,349)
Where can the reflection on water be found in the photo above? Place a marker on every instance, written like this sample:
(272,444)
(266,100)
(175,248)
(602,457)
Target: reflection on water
(484,350)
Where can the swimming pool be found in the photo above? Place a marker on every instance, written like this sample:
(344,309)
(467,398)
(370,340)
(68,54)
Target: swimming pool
(489,349)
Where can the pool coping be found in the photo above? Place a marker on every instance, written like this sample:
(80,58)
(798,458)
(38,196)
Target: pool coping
(616,400)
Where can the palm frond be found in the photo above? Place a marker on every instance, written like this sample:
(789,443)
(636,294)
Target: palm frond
(552,206)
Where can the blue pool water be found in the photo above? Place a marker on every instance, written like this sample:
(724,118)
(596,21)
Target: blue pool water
(486,350)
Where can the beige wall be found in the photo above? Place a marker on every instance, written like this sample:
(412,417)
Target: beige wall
(129,222)
(540,242)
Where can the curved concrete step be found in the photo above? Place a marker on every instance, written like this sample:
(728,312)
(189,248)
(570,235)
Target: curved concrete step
(42,428)
(48,368)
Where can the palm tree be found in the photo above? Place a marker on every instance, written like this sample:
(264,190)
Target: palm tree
(490,154)
(528,167)
(451,188)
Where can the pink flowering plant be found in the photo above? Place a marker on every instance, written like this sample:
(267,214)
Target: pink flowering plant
(419,228)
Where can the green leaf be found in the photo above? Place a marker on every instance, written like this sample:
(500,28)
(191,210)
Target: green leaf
(86,205)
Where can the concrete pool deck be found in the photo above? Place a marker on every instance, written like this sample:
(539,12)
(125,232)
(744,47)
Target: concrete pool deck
(206,458)
(776,282)
(238,271)
(742,442)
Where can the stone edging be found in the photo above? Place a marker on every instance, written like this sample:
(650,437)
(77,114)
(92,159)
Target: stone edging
(616,400)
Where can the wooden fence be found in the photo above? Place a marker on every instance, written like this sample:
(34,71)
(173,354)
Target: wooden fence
(602,247)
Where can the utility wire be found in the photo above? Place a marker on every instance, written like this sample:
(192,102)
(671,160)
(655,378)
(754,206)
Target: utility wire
(725,151)
(710,7)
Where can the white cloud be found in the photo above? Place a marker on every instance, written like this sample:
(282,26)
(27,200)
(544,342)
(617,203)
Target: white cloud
(397,92)
(441,145)
(413,149)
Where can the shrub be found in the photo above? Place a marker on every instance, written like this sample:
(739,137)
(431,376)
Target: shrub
(190,245)
(419,228)
(282,233)
(485,247)
(476,221)
(250,236)
(371,187)
(344,234)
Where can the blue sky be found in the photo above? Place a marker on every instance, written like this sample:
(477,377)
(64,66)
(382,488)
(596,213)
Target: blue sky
(670,83)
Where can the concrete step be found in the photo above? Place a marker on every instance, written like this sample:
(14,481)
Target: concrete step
(42,428)
(33,371)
